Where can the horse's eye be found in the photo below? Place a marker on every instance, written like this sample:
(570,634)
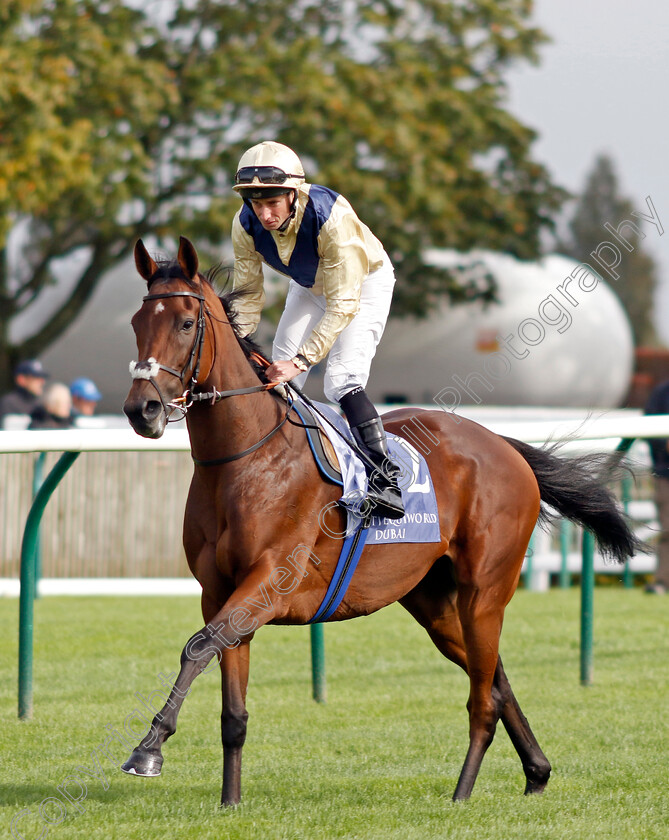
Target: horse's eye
(187,325)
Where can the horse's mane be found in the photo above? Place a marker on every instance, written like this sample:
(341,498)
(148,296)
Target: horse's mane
(170,269)
(248,345)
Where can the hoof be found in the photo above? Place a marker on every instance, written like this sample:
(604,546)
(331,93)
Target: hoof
(143,763)
(537,785)
(461,794)
(225,804)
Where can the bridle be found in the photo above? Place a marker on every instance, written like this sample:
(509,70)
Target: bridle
(149,368)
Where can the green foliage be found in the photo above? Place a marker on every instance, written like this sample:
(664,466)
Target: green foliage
(70,77)
(379,760)
(601,203)
(79,102)
(114,126)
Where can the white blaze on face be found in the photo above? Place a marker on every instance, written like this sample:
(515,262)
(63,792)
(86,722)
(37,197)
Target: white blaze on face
(160,307)
(144,370)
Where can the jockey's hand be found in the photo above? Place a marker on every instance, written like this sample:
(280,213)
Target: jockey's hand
(282,371)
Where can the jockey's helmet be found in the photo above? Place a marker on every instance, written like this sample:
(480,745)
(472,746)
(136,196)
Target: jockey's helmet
(267,170)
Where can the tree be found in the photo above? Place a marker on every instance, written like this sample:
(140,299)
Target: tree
(80,106)
(113,127)
(601,203)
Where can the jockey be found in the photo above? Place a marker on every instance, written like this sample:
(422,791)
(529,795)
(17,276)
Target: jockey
(338,298)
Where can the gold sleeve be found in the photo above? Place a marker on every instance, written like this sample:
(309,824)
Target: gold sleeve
(248,278)
(344,264)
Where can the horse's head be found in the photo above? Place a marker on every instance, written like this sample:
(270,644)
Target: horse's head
(170,330)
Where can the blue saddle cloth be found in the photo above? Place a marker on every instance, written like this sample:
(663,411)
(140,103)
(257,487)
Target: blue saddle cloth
(420,523)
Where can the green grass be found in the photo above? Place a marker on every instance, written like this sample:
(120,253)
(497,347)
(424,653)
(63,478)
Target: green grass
(379,760)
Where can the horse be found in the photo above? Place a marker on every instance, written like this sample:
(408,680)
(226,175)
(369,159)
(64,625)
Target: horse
(257,540)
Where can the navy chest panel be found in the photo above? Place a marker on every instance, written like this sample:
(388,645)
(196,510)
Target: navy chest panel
(304,260)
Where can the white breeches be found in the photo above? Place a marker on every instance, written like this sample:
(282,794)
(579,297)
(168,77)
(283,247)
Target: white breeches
(350,357)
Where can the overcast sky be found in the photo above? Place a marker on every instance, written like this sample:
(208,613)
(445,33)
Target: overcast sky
(601,86)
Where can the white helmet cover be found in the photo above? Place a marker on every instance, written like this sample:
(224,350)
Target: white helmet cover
(278,169)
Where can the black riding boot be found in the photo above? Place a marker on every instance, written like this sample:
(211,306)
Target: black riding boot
(383,491)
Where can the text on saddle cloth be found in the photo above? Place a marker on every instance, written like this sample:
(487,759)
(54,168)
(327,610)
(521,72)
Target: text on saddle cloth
(420,523)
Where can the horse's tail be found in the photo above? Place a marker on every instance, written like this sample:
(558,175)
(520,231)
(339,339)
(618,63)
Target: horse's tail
(574,488)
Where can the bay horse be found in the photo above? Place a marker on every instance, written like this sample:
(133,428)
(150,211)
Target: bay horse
(254,532)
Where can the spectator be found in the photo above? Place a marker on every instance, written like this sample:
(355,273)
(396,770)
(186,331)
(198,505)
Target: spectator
(29,380)
(55,410)
(658,403)
(85,396)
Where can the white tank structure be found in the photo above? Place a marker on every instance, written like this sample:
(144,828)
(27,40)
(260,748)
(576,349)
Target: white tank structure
(558,337)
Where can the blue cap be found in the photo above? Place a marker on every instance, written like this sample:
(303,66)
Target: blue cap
(31,367)
(85,389)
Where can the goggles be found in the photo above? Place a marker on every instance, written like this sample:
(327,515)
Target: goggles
(265,174)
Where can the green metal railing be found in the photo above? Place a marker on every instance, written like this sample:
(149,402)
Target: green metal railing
(587,606)
(565,539)
(319,688)
(626,498)
(588,587)
(29,583)
(38,478)
(43,490)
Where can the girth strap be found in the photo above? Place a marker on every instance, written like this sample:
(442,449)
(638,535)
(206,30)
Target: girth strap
(346,566)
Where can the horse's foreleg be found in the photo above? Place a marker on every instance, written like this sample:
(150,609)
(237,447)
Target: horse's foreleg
(234,679)
(232,627)
(147,759)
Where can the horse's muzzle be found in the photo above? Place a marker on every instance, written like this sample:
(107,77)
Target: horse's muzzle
(147,417)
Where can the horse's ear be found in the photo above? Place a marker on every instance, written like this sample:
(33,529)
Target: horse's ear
(145,265)
(187,258)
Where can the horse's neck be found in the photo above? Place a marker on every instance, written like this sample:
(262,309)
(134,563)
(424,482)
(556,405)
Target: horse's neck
(233,423)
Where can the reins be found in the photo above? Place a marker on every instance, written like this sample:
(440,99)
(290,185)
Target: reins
(215,462)
(215,396)
(351,443)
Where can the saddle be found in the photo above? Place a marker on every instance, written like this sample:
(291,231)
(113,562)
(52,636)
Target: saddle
(321,448)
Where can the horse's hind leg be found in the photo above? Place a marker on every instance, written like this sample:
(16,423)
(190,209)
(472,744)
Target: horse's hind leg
(535,764)
(489,703)
(481,617)
(433,604)
(436,605)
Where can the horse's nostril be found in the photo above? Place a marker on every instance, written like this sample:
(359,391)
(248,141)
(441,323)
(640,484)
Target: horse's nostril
(152,409)
(142,411)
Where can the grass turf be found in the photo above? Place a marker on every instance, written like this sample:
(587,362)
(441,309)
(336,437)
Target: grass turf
(379,760)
